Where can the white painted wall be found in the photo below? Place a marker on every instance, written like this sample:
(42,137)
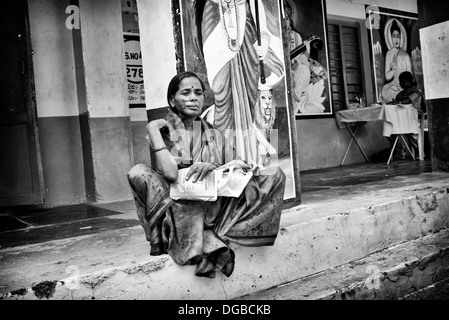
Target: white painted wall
(103,56)
(158,49)
(356,8)
(53,61)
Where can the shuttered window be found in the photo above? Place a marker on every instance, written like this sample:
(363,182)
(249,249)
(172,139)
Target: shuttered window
(346,74)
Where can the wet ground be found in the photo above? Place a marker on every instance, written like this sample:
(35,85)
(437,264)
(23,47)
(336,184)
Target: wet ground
(35,224)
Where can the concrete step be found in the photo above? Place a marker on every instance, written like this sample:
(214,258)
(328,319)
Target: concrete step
(314,237)
(435,291)
(417,269)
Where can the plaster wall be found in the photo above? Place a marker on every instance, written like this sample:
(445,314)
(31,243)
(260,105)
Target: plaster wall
(159,66)
(139,121)
(103,56)
(107,141)
(80,74)
(158,50)
(323,145)
(53,59)
(57,102)
(61,151)
(356,8)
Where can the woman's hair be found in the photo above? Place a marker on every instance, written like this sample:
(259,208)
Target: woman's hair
(407,76)
(395,26)
(173,86)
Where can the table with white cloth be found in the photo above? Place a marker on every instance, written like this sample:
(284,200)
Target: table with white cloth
(398,119)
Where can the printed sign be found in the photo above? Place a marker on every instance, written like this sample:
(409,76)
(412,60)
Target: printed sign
(134,71)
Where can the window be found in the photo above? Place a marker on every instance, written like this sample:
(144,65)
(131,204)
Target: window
(345,64)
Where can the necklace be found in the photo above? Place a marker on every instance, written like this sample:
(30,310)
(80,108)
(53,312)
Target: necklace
(233,43)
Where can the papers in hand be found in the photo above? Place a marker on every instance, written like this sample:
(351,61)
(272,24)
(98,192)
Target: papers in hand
(204,190)
(225,181)
(231,181)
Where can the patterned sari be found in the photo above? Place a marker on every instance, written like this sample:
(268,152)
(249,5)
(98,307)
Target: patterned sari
(198,232)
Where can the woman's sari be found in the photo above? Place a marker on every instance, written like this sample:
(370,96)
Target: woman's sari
(198,232)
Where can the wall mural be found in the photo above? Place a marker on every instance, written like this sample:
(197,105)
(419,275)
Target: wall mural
(309,57)
(237,47)
(395,48)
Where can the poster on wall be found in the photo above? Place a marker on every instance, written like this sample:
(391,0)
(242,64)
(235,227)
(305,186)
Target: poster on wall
(395,48)
(309,57)
(134,71)
(237,48)
(435,53)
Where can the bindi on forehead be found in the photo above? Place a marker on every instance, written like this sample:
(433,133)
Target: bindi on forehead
(190,87)
(190,84)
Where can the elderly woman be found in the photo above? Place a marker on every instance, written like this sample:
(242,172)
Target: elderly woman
(198,232)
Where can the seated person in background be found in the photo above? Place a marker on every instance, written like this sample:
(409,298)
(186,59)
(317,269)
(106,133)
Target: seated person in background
(198,232)
(410,94)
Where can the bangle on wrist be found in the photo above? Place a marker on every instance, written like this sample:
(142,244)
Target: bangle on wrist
(159,149)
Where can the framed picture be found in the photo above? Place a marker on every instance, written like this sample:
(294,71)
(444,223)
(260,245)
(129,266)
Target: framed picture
(240,49)
(309,57)
(395,48)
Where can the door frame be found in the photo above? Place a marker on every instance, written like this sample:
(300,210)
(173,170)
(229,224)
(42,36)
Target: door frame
(31,118)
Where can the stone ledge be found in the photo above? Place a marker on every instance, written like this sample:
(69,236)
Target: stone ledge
(393,273)
(301,250)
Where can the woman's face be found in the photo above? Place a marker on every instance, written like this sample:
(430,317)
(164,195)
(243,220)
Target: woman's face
(189,98)
(396,38)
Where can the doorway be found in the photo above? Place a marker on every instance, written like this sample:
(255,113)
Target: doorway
(21,177)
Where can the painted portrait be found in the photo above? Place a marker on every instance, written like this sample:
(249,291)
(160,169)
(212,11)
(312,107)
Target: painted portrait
(395,48)
(309,57)
(237,47)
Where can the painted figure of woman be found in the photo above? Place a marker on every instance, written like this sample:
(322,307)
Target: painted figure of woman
(308,75)
(227,35)
(397,61)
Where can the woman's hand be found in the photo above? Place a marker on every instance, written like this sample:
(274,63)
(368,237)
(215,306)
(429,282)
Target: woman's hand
(240,164)
(198,170)
(237,163)
(262,50)
(157,124)
(164,161)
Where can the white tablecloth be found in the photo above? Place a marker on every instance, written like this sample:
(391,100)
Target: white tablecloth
(398,119)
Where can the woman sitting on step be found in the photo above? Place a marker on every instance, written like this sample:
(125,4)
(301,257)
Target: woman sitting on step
(198,232)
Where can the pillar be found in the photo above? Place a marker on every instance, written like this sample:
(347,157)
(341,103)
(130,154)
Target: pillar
(104,112)
(431,13)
